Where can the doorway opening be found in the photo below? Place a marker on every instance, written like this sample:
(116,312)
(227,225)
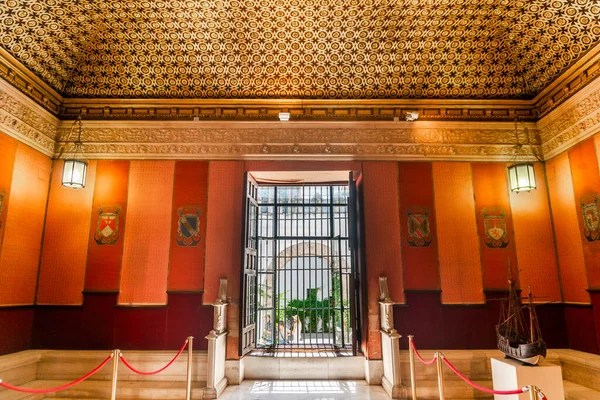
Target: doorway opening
(300,272)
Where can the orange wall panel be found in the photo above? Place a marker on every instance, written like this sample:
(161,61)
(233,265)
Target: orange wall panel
(597,142)
(419,260)
(493,217)
(105,252)
(8,148)
(460,263)
(23,226)
(224,239)
(586,187)
(382,241)
(569,248)
(534,240)
(147,237)
(186,266)
(64,252)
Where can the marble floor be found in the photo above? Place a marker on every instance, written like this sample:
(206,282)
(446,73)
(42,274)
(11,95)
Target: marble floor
(304,390)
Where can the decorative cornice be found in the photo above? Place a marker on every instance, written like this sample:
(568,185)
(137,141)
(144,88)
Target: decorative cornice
(20,77)
(302,110)
(572,122)
(570,82)
(25,120)
(419,140)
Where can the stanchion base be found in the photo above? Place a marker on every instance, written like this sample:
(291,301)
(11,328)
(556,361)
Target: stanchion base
(509,374)
(216,392)
(395,392)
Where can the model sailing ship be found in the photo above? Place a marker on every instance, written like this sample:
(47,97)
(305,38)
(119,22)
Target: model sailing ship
(517,338)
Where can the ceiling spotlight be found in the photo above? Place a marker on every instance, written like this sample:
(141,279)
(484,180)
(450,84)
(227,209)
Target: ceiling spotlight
(284,116)
(411,115)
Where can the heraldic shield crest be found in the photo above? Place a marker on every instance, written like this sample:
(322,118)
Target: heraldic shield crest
(107,226)
(419,234)
(188,226)
(590,208)
(494,225)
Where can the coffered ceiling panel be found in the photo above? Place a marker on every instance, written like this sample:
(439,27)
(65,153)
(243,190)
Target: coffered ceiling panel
(311,49)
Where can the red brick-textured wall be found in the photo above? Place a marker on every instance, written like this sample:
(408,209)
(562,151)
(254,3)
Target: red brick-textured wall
(419,260)
(568,241)
(147,237)
(456,192)
(534,238)
(224,235)
(586,183)
(491,201)
(458,241)
(110,194)
(382,241)
(24,179)
(64,252)
(186,271)
(23,227)
(8,149)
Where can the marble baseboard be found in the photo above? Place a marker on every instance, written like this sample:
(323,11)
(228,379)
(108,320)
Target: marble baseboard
(298,368)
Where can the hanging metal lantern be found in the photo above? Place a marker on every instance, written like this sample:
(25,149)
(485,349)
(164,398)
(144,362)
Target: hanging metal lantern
(521,177)
(75,169)
(74,173)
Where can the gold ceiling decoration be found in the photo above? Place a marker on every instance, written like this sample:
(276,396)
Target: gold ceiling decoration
(309,49)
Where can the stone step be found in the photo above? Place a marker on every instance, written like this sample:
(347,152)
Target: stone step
(72,364)
(304,368)
(574,391)
(94,389)
(425,390)
(474,363)
(453,390)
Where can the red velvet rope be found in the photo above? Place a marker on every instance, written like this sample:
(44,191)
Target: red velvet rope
(482,388)
(58,388)
(158,370)
(412,343)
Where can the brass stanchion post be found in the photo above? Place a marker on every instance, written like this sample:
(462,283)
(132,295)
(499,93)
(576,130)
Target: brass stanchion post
(411,357)
(115,371)
(440,373)
(188,388)
(532,393)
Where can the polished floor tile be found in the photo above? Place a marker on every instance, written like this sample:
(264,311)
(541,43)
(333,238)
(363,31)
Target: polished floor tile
(304,390)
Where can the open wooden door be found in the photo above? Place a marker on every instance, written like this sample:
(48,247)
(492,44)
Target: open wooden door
(249,264)
(356,239)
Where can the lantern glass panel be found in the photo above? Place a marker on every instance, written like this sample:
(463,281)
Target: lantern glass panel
(74,174)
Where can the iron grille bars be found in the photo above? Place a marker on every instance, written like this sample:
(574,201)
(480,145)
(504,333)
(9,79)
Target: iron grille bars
(304,268)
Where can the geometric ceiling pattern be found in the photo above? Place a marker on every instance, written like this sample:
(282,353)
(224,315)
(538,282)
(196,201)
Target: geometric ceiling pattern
(302,49)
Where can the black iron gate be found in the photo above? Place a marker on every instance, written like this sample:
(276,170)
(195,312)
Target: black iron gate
(249,260)
(305,281)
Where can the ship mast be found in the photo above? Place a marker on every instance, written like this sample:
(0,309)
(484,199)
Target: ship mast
(531,327)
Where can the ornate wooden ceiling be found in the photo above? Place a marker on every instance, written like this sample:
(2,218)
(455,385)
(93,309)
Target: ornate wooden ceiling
(310,49)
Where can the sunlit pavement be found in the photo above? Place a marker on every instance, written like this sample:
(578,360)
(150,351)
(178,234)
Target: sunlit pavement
(313,390)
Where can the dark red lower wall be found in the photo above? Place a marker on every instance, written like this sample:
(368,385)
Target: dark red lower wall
(101,324)
(581,329)
(16,325)
(437,326)
(595,311)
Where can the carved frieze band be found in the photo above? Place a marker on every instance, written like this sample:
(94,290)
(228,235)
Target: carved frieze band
(351,140)
(575,120)
(20,117)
